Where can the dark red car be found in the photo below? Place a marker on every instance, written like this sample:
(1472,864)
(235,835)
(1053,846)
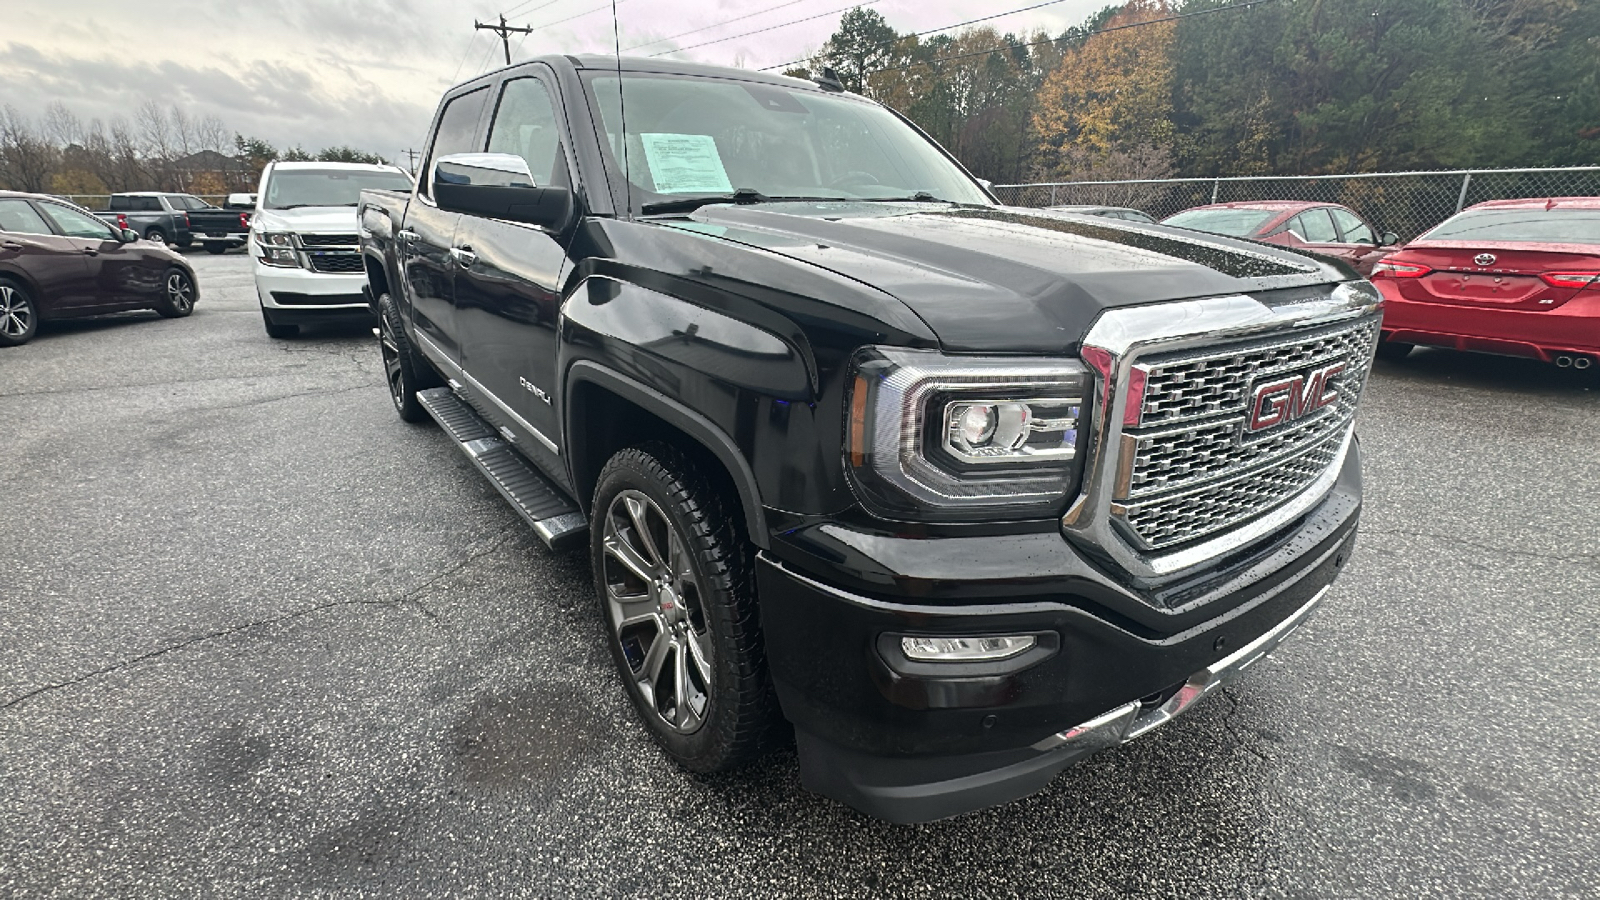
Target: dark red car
(1515,277)
(59,261)
(1325,228)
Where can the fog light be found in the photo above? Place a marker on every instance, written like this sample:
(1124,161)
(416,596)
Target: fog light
(965,649)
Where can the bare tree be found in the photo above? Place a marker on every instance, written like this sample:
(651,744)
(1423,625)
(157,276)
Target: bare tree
(61,125)
(155,138)
(26,156)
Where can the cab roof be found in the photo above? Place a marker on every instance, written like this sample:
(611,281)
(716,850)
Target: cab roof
(1541,203)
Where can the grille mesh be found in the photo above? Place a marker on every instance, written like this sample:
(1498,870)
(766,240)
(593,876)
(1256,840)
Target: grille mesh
(342,262)
(1195,472)
(329,240)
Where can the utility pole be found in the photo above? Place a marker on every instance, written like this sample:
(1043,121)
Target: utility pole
(411,155)
(505,31)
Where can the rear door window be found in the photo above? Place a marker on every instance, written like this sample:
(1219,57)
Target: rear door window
(525,125)
(147,204)
(1355,230)
(1316,226)
(19,217)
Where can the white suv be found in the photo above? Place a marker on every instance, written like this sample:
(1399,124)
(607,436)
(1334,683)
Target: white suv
(305,241)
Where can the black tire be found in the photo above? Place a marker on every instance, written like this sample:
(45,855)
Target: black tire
(156,235)
(216,247)
(178,294)
(19,314)
(404,369)
(1394,351)
(277,332)
(739,719)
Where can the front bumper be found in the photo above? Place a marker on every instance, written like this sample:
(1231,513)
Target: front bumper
(911,743)
(309,293)
(1571,328)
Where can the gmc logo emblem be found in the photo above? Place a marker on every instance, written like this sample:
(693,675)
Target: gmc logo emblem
(1288,399)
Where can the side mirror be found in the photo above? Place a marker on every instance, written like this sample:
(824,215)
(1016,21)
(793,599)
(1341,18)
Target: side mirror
(240,201)
(498,186)
(1388,239)
(127,235)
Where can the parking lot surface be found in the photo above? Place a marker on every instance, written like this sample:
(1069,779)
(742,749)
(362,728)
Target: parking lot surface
(262,638)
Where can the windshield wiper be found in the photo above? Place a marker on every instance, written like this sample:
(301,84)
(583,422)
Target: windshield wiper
(918,197)
(740,196)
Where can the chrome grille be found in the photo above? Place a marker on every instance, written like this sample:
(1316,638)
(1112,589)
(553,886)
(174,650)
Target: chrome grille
(1194,471)
(329,240)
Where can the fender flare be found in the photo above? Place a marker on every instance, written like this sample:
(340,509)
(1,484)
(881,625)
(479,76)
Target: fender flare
(684,419)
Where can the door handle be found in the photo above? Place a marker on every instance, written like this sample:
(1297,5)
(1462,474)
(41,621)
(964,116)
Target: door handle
(406,234)
(10,245)
(90,251)
(463,256)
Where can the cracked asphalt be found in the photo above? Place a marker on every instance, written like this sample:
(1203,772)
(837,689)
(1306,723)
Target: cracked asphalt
(260,638)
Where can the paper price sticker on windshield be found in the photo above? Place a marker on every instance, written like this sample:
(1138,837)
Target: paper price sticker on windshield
(685,164)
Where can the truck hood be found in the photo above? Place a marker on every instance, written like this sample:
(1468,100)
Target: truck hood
(1001,279)
(308,219)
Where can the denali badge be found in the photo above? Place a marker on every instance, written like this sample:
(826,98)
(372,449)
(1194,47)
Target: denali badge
(1295,397)
(1484,259)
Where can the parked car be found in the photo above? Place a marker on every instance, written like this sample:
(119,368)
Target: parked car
(304,245)
(59,261)
(1126,214)
(177,219)
(1325,228)
(1515,277)
(964,492)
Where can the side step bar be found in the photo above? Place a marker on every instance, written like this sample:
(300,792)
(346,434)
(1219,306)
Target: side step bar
(554,518)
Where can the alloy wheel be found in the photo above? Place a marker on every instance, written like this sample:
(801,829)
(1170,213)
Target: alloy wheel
(16,313)
(180,292)
(653,601)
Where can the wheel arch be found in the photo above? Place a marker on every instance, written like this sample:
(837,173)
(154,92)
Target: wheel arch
(607,411)
(19,277)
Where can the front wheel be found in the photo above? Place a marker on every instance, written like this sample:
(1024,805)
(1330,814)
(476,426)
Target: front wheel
(404,370)
(177,295)
(156,236)
(216,248)
(673,571)
(19,317)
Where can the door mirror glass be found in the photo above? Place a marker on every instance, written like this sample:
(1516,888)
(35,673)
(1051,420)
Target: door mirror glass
(127,235)
(498,186)
(1388,239)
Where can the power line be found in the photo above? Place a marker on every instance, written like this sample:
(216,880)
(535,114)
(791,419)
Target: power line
(1096,33)
(717,25)
(530,12)
(768,28)
(933,30)
(582,14)
(464,54)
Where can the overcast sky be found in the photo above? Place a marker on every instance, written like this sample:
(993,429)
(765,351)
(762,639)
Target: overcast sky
(368,73)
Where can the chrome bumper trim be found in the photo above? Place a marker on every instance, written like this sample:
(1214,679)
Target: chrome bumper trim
(1130,720)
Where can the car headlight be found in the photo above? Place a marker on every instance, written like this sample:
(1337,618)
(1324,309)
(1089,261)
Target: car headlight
(276,248)
(942,438)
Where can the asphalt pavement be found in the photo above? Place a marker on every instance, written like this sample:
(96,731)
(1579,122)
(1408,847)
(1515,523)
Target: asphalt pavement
(260,638)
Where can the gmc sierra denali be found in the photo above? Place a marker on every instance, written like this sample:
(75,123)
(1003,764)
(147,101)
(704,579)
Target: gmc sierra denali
(961,492)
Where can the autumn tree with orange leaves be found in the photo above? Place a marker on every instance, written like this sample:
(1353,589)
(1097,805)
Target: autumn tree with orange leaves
(1106,110)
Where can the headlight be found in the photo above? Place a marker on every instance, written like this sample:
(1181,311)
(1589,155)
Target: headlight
(277,248)
(941,438)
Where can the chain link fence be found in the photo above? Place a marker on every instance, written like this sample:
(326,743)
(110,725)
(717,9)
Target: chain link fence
(1407,203)
(101,201)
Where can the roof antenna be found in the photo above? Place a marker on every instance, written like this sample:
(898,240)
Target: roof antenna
(829,80)
(622,109)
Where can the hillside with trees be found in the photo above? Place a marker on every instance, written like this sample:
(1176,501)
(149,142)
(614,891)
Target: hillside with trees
(1167,88)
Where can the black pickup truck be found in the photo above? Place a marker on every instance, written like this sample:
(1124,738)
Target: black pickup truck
(178,219)
(960,492)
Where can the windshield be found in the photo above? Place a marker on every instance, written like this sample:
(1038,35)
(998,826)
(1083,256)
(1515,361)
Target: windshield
(1539,226)
(1235,222)
(690,136)
(292,188)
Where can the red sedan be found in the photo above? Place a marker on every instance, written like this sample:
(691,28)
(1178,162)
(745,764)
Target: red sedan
(1324,228)
(1515,277)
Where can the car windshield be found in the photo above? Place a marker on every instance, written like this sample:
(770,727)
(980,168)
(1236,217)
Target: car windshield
(1539,226)
(693,137)
(1235,222)
(294,188)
